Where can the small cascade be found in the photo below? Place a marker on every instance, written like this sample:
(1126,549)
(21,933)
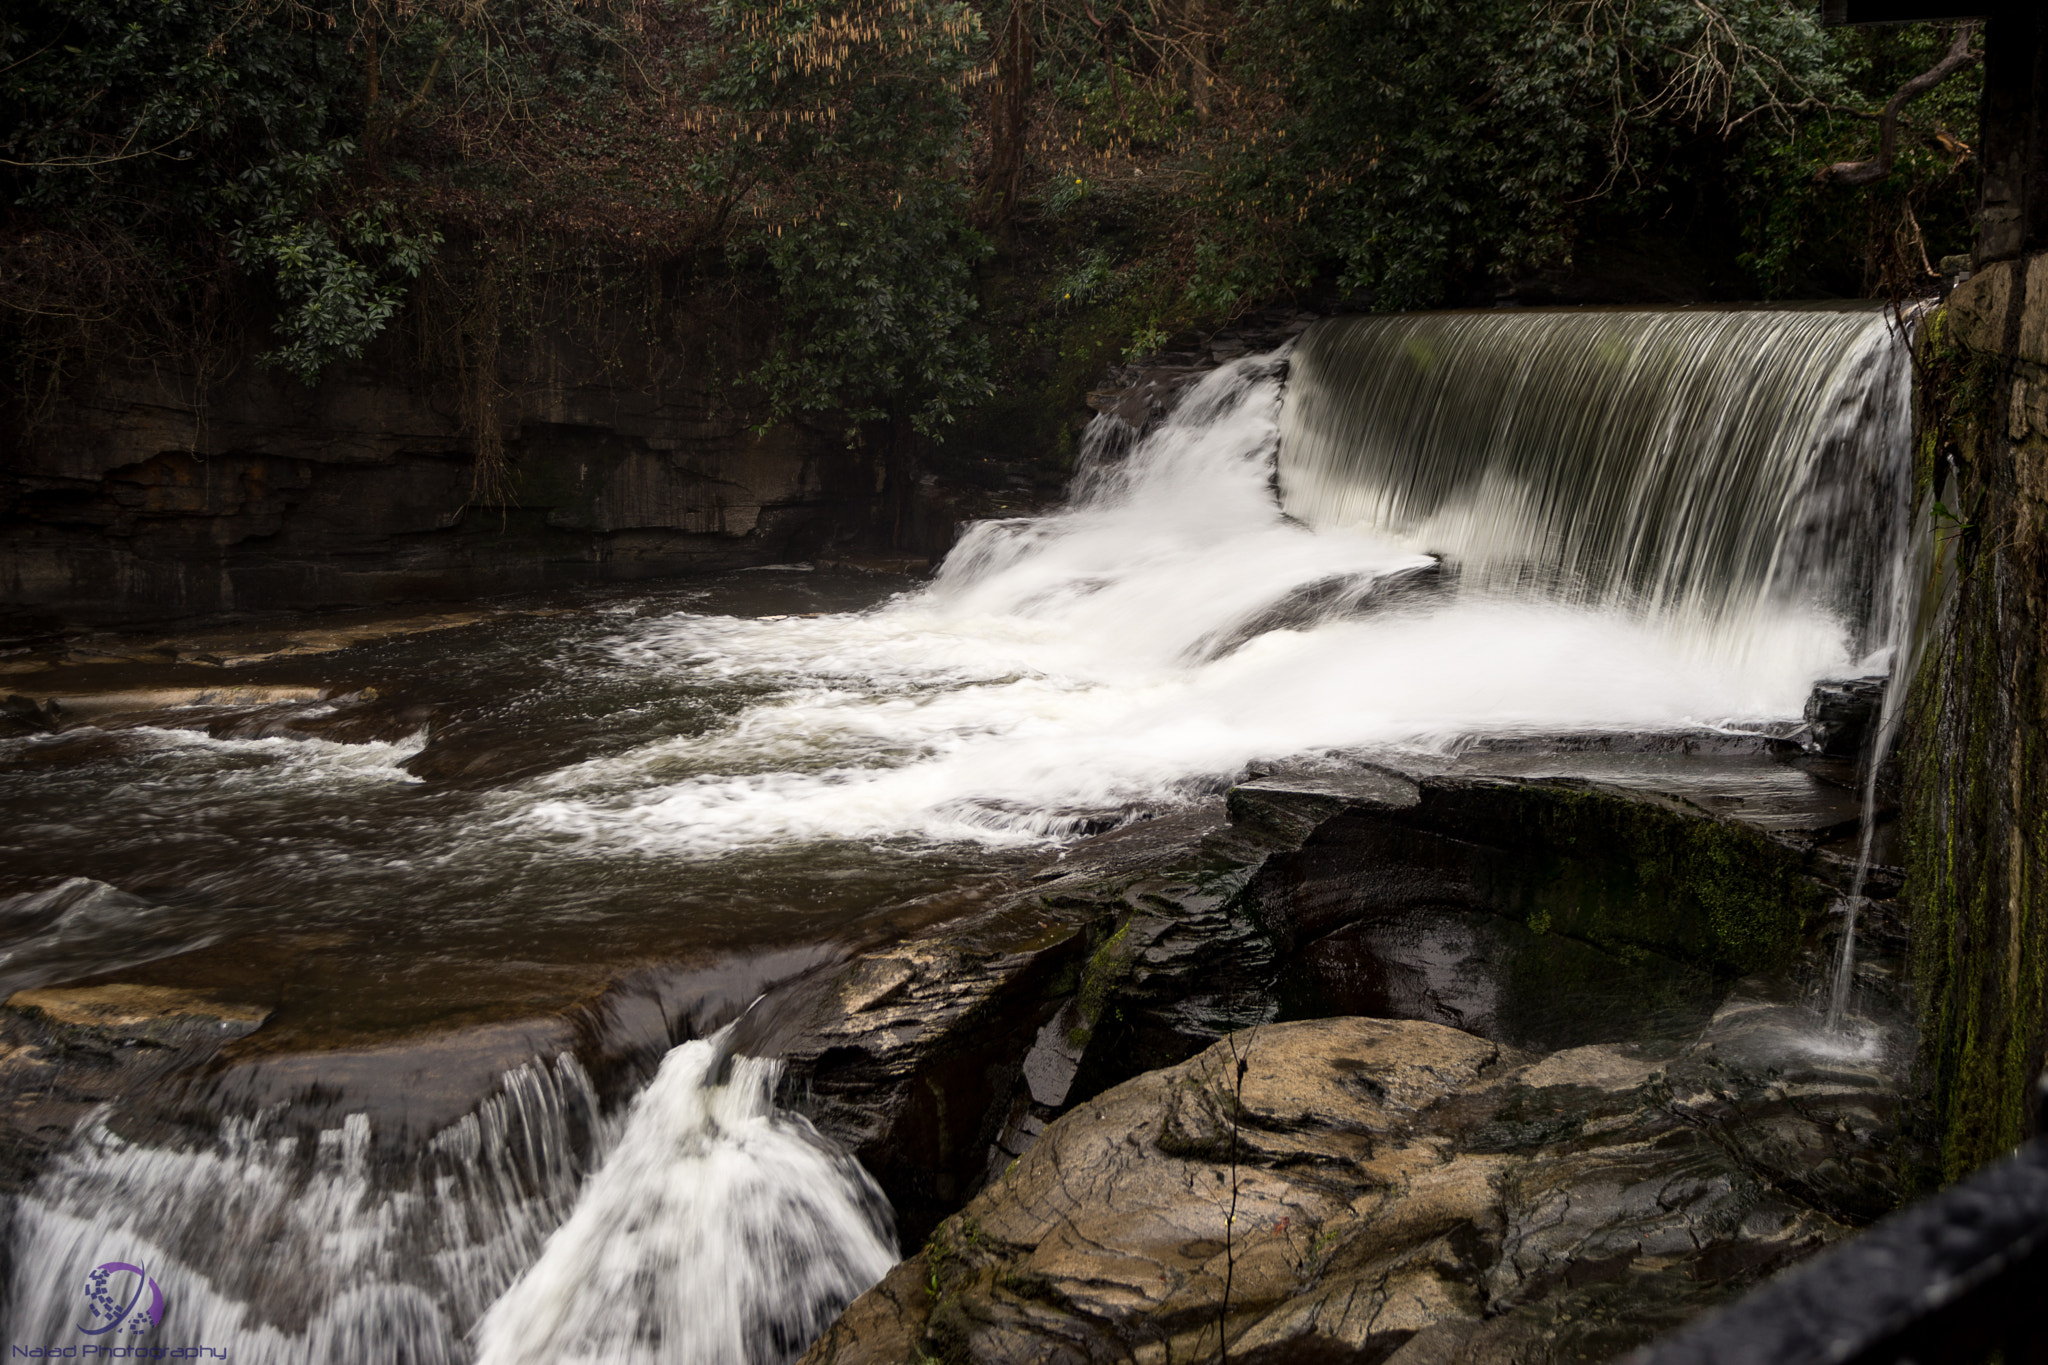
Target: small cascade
(1842,979)
(1911,636)
(719,1231)
(274,1249)
(716,1230)
(1702,467)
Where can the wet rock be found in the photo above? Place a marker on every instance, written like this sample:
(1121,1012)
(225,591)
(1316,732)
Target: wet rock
(1842,716)
(1623,869)
(895,566)
(144,705)
(482,754)
(909,1056)
(409,1090)
(1116,1234)
(130,1013)
(1351,1189)
(1814,1114)
(1540,914)
(67,1055)
(1980,309)
(884,1326)
(1331,599)
(151,496)
(21,715)
(1137,395)
(1496,977)
(937,1058)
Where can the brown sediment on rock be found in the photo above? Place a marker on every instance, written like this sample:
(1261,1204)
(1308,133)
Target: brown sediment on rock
(94,706)
(125,1007)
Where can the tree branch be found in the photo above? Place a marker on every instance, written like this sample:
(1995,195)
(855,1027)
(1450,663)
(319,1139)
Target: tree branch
(1868,172)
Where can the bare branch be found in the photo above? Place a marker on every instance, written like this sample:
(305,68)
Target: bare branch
(1867,172)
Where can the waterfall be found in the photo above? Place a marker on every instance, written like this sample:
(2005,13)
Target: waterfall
(275,1246)
(1713,469)
(1705,467)
(716,1230)
(1499,523)
(1484,524)
(720,1231)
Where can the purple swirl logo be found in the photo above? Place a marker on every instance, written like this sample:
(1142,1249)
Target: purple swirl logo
(110,1311)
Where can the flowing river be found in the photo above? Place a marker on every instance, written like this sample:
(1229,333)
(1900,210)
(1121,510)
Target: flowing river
(1430,529)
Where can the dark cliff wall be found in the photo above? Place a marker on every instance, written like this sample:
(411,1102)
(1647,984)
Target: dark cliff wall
(144,496)
(1975,751)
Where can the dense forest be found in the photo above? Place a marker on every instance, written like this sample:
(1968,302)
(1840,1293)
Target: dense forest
(934,204)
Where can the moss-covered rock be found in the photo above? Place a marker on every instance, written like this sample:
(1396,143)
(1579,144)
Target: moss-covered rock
(1974,761)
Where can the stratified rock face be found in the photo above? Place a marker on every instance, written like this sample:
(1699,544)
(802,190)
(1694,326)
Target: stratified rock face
(1367,1189)
(138,497)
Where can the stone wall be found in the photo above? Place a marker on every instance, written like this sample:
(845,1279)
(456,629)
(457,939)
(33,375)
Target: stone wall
(1976,769)
(144,496)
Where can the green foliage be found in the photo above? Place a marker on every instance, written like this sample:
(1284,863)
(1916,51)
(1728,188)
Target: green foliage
(127,125)
(1119,104)
(1427,149)
(875,318)
(860,126)
(139,111)
(165,161)
(1798,231)
(340,282)
(1094,279)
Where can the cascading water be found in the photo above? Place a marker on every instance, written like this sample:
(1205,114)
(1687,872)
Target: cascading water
(717,1230)
(277,1249)
(1659,520)
(1646,521)
(1712,469)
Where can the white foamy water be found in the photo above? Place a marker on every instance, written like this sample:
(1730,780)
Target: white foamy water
(1147,642)
(715,1230)
(719,1231)
(279,1250)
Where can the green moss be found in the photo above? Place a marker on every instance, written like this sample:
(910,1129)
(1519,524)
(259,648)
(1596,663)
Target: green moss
(1107,970)
(1634,876)
(1976,802)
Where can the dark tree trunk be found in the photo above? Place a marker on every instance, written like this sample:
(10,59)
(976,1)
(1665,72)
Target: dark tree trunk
(1011,116)
(2012,215)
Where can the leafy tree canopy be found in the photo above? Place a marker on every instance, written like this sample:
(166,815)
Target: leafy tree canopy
(165,162)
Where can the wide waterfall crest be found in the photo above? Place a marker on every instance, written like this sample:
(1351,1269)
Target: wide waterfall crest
(1695,465)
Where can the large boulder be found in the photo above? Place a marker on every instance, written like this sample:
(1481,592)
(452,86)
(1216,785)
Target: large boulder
(1368,1189)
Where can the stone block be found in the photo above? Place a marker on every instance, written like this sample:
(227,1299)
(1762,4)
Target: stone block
(1981,306)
